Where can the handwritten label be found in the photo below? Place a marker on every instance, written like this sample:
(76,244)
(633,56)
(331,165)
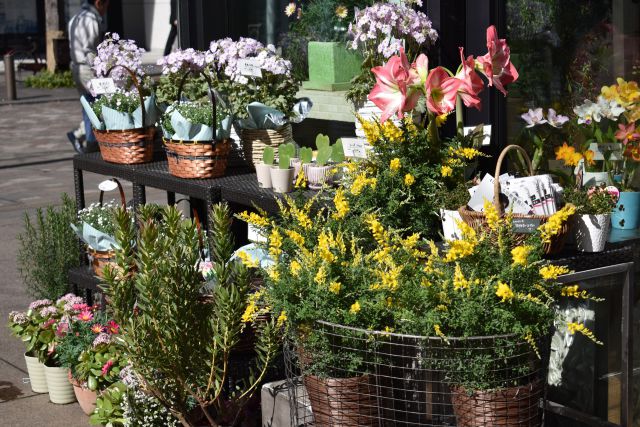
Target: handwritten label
(525,225)
(102,86)
(355,147)
(486,131)
(249,67)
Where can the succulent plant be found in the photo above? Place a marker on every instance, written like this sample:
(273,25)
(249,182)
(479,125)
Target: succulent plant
(323,156)
(287,149)
(306,154)
(337,152)
(284,161)
(322,141)
(268,156)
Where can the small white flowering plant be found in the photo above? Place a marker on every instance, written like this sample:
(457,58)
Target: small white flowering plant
(100,216)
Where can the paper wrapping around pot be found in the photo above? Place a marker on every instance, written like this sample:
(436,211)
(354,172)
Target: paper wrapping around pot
(261,116)
(96,239)
(95,121)
(117,120)
(185,130)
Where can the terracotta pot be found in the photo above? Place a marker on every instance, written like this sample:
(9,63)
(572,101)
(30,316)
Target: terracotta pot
(263,173)
(86,398)
(37,378)
(342,401)
(505,407)
(316,175)
(281,179)
(592,232)
(60,389)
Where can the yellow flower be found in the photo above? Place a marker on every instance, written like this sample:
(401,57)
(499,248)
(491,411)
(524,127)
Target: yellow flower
(341,12)
(281,318)
(295,268)
(466,153)
(574,291)
(273,274)
(552,272)
(391,132)
(371,130)
(528,337)
(441,307)
(439,333)
(378,231)
(324,247)
(355,308)
(520,254)
(491,213)
(247,260)
(555,223)
(441,119)
(504,291)
(297,238)
(335,287)
(409,180)
(253,219)
(389,301)
(589,157)
(302,217)
(360,182)
(573,327)
(301,180)
(320,276)
(341,203)
(275,244)
(459,281)
(446,171)
(251,309)
(411,241)
(394,164)
(459,249)
(390,278)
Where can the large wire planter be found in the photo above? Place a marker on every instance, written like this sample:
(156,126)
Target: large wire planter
(373,378)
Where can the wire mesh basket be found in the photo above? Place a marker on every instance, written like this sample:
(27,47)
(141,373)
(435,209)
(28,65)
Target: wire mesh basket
(371,378)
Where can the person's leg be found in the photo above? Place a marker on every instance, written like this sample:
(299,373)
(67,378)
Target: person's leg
(172,37)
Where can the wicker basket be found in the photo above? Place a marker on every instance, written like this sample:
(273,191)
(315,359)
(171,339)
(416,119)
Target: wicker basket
(478,220)
(128,146)
(255,140)
(197,159)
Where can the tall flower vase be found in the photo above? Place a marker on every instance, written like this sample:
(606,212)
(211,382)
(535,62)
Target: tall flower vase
(626,214)
(37,378)
(592,232)
(60,389)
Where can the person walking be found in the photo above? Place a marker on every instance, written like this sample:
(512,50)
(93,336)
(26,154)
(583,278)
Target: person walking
(86,30)
(173,20)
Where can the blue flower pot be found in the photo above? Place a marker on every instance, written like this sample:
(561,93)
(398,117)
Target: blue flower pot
(626,214)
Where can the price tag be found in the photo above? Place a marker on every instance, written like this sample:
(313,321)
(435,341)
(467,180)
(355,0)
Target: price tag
(249,67)
(486,131)
(525,225)
(102,86)
(355,147)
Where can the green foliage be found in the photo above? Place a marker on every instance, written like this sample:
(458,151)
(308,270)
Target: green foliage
(268,156)
(101,217)
(284,161)
(48,248)
(179,344)
(125,102)
(306,154)
(199,112)
(456,197)
(323,156)
(78,338)
(195,88)
(100,365)
(590,201)
(47,80)
(322,141)
(287,149)
(337,152)
(109,411)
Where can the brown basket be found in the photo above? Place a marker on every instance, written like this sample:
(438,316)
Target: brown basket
(478,220)
(101,259)
(128,146)
(254,141)
(507,407)
(197,159)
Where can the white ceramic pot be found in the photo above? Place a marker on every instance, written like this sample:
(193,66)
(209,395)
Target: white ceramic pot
(281,179)
(316,175)
(296,164)
(450,229)
(60,388)
(592,232)
(263,173)
(37,378)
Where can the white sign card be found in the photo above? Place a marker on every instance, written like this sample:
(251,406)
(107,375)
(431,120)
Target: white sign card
(249,67)
(486,131)
(102,86)
(355,147)
(254,235)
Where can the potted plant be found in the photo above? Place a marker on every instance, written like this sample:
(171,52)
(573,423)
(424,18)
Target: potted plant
(592,223)
(319,172)
(324,24)
(99,365)
(263,170)
(283,174)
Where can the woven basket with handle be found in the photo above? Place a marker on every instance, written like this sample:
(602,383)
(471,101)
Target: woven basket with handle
(478,220)
(101,259)
(127,146)
(254,141)
(198,159)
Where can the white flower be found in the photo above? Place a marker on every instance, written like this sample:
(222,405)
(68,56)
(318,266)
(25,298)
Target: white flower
(556,120)
(587,112)
(609,109)
(533,117)
(290,9)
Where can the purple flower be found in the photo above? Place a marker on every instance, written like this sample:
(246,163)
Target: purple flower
(556,120)
(182,60)
(115,51)
(19,318)
(40,303)
(102,338)
(49,311)
(533,117)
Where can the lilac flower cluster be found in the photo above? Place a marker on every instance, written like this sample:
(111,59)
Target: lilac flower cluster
(224,54)
(115,51)
(102,338)
(182,60)
(384,26)
(40,303)
(18,317)
(49,311)
(68,301)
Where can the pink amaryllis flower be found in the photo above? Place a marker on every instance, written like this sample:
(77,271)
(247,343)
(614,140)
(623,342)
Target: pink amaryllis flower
(106,367)
(471,84)
(420,70)
(442,90)
(85,315)
(392,92)
(496,64)
(627,133)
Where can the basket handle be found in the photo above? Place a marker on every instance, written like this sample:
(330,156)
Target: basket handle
(123,200)
(134,78)
(496,180)
(212,97)
(196,219)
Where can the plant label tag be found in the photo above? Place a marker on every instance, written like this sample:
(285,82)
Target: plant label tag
(249,67)
(355,147)
(525,225)
(102,86)
(108,185)
(613,151)
(486,133)
(254,235)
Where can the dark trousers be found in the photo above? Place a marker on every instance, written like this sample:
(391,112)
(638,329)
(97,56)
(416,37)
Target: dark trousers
(172,37)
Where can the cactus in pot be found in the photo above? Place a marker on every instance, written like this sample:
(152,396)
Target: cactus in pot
(282,176)
(263,170)
(318,173)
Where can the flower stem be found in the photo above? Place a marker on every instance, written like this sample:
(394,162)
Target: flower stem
(459,116)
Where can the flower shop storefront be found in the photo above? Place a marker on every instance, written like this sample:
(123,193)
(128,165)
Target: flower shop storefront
(433,272)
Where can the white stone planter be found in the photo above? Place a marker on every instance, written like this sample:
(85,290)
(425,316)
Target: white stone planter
(60,388)
(282,179)
(592,232)
(316,175)
(263,173)
(450,229)
(37,378)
